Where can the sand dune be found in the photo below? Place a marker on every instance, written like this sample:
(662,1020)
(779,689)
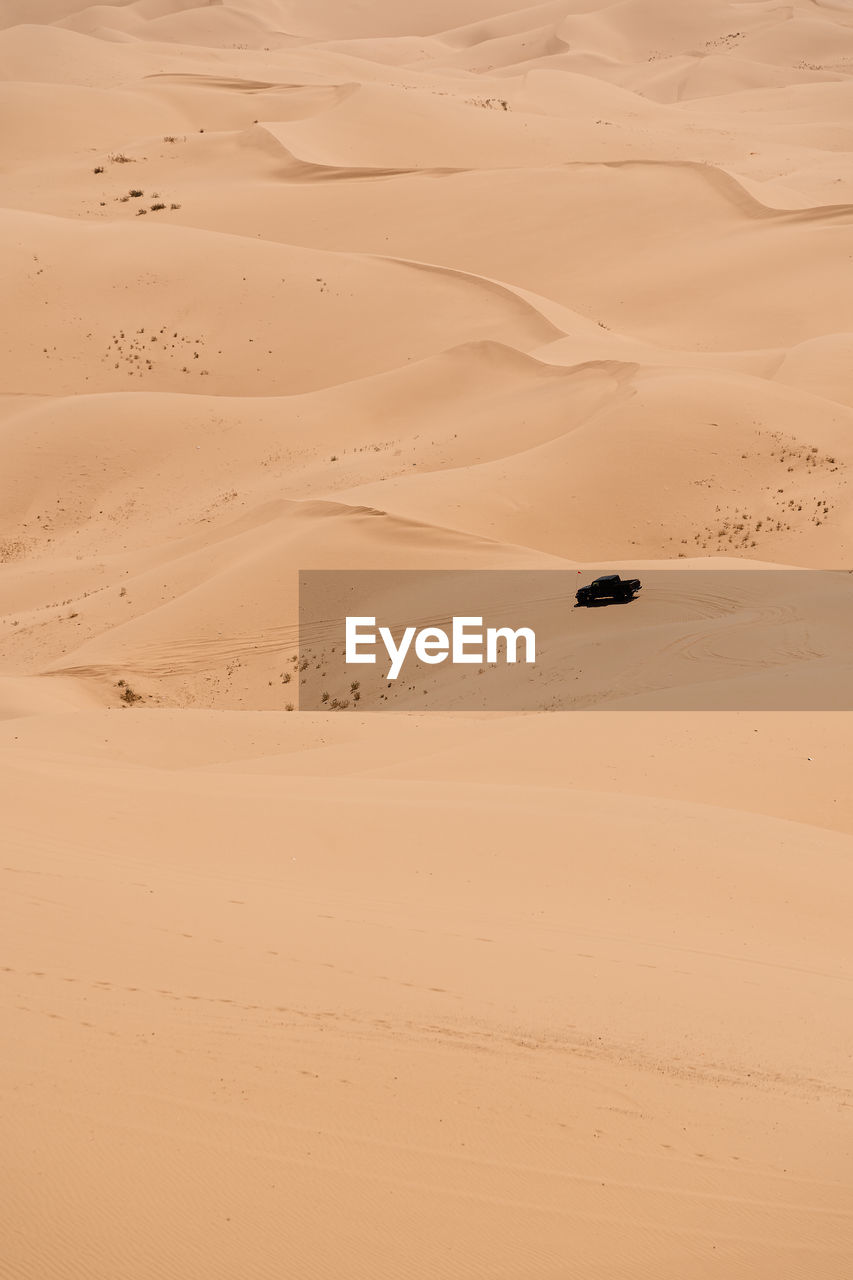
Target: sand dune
(66,123)
(475,285)
(199,313)
(735,480)
(517,1104)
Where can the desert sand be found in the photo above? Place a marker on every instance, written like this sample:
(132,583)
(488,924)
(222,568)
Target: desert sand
(297,284)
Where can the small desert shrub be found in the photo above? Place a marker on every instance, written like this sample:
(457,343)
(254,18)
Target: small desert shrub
(121,158)
(140,212)
(155,208)
(135,193)
(99,169)
(174,206)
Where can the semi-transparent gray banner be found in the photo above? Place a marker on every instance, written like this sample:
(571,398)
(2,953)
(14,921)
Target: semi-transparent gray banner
(545,640)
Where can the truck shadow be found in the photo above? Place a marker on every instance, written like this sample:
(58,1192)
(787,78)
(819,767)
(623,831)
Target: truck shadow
(603,604)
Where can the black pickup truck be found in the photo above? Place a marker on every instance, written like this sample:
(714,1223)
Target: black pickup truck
(609,589)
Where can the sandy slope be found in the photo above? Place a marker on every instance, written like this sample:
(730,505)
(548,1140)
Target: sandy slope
(468,285)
